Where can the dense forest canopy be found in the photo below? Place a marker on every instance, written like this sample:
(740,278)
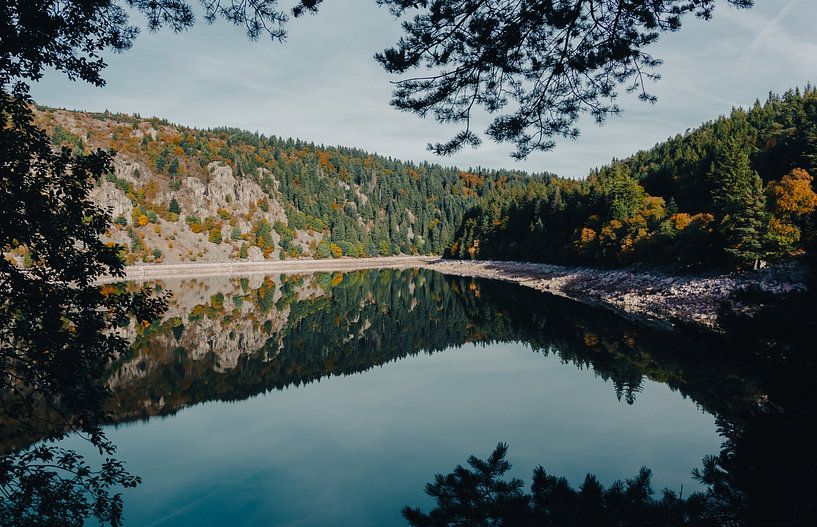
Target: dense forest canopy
(734,192)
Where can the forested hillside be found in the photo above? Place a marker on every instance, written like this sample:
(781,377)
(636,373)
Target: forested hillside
(182,194)
(734,192)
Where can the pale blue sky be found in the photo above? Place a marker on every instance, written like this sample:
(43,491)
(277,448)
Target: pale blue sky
(323,85)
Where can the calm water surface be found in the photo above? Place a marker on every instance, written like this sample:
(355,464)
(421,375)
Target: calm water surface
(333,399)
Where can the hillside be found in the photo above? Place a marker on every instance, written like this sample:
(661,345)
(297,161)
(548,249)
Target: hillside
(179,194)
(735,192)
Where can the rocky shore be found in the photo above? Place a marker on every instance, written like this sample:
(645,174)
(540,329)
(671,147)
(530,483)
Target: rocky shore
(661,300)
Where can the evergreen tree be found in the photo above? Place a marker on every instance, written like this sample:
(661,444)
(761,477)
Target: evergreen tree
(740,206)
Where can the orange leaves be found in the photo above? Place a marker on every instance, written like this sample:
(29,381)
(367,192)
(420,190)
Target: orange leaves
(108,290)
(793,195)
(783,229)
(471,180)
(791,198)
(151,188)
(680,221)
(586,236)
(654,208)
(323,161)
(143,220)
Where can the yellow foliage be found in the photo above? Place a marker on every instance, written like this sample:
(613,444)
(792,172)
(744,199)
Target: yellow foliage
(793,194)
(587,235)
(703,220)
(471,180)
(781,228)
(143,220)
(107,290)
(680,221)
(610,230)
(654,208)
(590,339)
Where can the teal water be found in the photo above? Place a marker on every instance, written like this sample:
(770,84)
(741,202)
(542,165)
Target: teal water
(336,399)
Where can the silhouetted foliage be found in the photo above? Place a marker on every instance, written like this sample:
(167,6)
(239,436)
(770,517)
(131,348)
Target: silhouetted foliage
(547,61)
(479,496)
(538,65)
(58,330)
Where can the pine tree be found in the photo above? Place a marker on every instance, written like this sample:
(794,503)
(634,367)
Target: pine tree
(740,206)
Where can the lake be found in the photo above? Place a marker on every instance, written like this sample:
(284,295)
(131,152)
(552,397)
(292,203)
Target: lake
(331,399)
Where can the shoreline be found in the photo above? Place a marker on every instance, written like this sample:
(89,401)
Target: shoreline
(659,300)
(236,268)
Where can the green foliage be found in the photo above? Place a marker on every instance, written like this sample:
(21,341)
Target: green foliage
(621,193)
(479,495)
(323,250)
(741,206)
(174,206)
(285,233)
(263,235)
(214,235)
(60,136)
(243,253)
(696,201)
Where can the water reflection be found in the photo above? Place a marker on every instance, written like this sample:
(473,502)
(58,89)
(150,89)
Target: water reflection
(229,339)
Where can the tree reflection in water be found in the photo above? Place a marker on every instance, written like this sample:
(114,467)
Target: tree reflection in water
(232,338)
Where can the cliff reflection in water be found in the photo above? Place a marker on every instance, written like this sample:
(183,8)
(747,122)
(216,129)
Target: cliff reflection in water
(232,338)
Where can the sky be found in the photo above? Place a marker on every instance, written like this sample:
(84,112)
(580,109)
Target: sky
(323,84)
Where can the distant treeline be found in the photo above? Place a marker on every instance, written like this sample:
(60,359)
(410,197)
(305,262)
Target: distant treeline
(734,192)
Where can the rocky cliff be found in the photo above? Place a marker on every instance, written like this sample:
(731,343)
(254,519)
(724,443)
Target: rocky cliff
(179,194)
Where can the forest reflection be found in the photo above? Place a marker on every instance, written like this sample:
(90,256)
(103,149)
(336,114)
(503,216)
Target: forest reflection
(230,338)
